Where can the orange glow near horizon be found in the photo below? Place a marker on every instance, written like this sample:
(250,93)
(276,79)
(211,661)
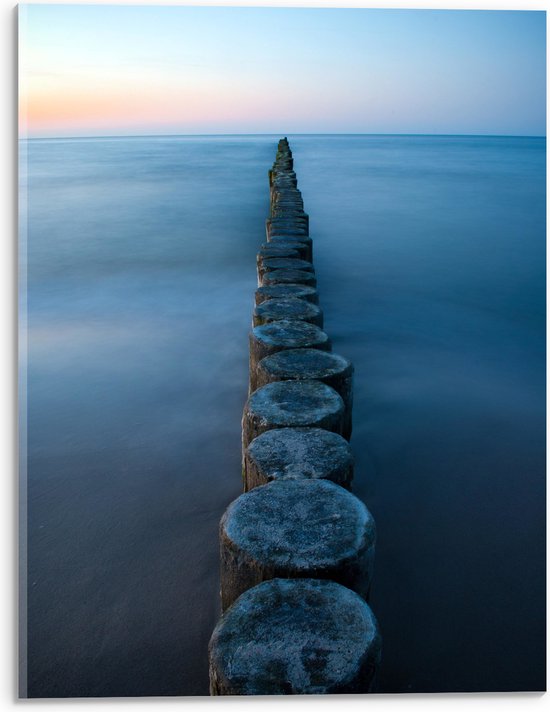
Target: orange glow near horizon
(84,101)
(88,99)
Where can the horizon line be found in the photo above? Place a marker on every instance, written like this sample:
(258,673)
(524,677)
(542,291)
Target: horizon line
(290,133)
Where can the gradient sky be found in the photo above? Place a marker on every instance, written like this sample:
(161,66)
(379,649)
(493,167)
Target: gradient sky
(107,70)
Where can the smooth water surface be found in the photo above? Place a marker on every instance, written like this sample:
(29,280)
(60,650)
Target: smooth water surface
(430,257)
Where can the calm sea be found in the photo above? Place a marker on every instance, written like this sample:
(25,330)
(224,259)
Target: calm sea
(430,257)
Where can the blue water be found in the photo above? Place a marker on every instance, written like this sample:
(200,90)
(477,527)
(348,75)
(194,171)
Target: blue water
(430,257)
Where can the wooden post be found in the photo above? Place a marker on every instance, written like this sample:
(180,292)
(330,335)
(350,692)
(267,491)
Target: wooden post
(297,453)
(296,529)
(282,291)
(289,276)
(295,637)
(310,364)
(291,308)
(281,335)
(274,263)
(292,404)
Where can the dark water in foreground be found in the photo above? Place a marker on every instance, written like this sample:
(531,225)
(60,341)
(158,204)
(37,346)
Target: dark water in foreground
(430,257)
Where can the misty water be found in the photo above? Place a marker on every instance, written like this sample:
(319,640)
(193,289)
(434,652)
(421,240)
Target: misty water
(430,258)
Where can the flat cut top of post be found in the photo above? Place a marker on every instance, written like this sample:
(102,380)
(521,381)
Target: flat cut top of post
(300,453)
(275,291)
(289,276)
(299,526)
(290,334)
(273,263)
(266,253)
(285,245)
(301,636)
(287,231)
(284,239)
(282,211)
(291,243)
(289,308)
(294,403)
(302,216)
(306,364)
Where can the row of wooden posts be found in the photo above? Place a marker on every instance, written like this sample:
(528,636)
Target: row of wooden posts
(297,548)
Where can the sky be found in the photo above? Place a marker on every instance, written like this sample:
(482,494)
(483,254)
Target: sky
(91,70)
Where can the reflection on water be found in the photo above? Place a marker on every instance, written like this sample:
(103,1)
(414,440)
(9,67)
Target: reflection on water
(141,258)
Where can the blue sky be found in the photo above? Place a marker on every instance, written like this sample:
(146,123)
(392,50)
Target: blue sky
(100,69)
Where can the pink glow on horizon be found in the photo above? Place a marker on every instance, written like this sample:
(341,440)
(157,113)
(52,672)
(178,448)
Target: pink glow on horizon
(78,105)
(82,103)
